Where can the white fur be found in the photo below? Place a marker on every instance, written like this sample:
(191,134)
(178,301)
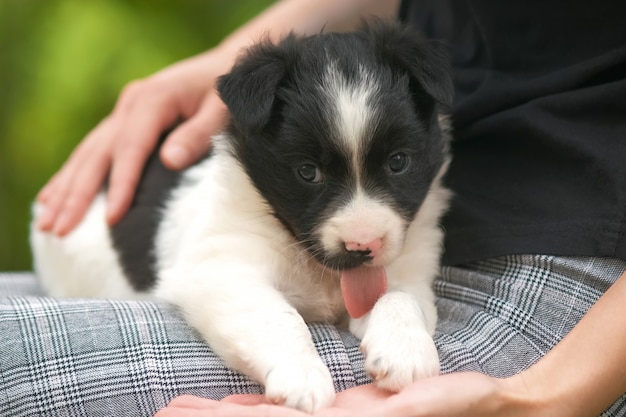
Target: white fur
(249,288)
(362,220)
(353,110)
(397,334)
(83,264)
(222,257)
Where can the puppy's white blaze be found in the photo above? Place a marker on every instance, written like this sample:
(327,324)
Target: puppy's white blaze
(354,113)
(363,220)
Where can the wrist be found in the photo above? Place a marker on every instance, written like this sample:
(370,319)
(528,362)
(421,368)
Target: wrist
(516,398)
(527,394)
(511,397)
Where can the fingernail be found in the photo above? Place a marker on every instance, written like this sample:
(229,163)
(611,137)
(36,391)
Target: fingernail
(42,194)
(111,215)
(176,156)
(44,219)
(61,225)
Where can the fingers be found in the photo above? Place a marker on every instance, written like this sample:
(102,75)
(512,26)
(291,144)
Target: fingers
(185,145)
(69,193)
(245,399)
(46,192)
(193,402)
(124,178)
(140,127)
(120,145)
(192,139)
(188,406)
(356,397)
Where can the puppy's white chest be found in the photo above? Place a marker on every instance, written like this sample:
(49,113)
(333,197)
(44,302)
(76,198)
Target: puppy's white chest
(218,216)
(312,289)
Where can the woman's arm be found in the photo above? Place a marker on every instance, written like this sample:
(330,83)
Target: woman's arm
(586,371)
(581,376)
(120,145)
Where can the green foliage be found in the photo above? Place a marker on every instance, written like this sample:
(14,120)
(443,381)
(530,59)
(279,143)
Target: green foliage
(62,66)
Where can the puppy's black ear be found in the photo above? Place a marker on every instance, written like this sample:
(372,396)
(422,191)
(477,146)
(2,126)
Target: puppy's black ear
(427,61)
(250,87)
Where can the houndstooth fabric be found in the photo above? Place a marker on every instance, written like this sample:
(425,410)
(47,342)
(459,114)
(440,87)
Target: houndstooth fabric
(62,357)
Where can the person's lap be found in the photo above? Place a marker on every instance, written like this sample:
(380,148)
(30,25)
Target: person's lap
(502,315)
(83,357)
(127,358)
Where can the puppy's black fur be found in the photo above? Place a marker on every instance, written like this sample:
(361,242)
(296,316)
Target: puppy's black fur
(133,237)
(281,114)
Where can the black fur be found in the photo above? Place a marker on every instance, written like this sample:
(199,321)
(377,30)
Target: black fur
(281,120)
(134,236)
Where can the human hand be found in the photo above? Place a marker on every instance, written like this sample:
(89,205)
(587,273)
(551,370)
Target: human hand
(120,145)
(354,401)
(461,394)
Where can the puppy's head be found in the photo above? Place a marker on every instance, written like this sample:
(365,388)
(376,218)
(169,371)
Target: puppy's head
(340,133)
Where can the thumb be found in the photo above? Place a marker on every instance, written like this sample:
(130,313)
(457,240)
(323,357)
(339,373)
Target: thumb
(191,140)
(245,399)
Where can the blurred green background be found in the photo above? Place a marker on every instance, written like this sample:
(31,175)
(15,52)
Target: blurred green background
(62,66)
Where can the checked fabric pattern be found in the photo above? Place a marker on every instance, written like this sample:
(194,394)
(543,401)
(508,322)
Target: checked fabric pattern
(61,357)
(67,357)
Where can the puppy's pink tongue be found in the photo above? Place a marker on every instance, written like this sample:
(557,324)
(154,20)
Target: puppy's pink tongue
(361,287)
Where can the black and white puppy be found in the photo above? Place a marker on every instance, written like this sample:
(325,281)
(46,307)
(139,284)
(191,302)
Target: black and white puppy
(321,198)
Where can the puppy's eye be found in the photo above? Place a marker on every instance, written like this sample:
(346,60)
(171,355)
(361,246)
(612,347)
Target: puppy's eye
(310,173)
(398,162)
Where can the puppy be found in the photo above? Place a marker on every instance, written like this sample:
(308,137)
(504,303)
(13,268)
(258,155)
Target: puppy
(321,198)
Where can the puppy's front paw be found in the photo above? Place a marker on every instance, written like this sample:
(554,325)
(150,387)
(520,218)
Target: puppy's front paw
(305,385)
(396,360)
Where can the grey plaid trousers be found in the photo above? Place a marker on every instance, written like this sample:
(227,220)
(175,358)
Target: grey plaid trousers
(61,357)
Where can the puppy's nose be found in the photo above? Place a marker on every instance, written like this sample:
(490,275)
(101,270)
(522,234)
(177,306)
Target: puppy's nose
(372,248)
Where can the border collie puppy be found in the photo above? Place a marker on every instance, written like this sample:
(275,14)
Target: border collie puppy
(321,200)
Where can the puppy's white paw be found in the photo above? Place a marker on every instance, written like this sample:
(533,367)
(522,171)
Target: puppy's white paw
(398,358)
(305,385)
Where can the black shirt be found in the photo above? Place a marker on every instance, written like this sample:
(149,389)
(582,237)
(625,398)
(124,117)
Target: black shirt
(539,151)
